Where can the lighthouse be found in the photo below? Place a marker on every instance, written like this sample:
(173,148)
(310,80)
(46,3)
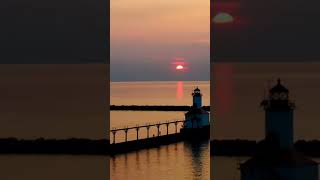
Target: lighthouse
(197,121)
(197,98)
(276,157)
(279,116)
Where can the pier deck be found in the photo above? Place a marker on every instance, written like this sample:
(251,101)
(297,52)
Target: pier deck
(152,142)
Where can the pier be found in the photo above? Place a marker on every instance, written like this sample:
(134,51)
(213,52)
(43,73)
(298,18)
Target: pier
(196,126)
(147,126)
(147,143)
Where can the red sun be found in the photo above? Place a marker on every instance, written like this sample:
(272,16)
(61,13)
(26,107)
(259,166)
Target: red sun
(179,67)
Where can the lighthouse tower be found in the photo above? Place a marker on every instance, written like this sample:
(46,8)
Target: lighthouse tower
(279,116)
(197,98)
(196,117)
(278,159)
(197,121)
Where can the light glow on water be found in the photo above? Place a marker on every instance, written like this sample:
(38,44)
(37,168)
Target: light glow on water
(179,90)
(157,92)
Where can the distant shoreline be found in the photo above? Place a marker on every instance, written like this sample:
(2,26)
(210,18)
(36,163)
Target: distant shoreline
(71,146)
(74,146)
(162,81)
(152,108)
(240,147)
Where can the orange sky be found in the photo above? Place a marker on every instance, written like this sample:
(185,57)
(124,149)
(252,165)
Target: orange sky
(157,31)
(162,21)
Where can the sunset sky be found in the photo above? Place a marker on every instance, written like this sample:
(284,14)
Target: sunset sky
(149,37)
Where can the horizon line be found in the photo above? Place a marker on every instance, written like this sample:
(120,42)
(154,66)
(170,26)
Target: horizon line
(159,80)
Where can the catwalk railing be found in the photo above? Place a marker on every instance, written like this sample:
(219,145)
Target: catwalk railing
(147,126)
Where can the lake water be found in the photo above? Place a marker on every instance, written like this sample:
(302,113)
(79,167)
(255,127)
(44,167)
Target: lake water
(226,168)
(241,83)
(180,161)
(157,92)
(53,167)
(238,91)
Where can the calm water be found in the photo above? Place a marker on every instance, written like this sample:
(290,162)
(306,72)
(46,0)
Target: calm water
(173,162)
(184,160)
(226,168)
(157,92)
(176,161)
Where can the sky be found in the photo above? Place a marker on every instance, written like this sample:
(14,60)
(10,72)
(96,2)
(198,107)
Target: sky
(148,37)
(264,31)
(54,31)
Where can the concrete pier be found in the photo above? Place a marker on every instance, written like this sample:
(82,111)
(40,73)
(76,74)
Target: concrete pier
(151,142)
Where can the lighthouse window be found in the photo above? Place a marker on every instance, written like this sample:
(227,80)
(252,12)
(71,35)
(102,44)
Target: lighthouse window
(275,96)
(283,96)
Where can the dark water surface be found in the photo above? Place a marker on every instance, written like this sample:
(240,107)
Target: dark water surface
(184,160)
(53,167)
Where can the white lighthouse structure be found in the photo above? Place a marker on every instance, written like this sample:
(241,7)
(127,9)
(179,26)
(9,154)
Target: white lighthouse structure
(197,98)
(279,116)
(276,157)
(196,119)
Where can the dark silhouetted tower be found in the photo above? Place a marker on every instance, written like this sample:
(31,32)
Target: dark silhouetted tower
(279,116)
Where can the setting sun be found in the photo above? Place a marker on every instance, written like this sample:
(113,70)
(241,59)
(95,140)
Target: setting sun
(223,18)
(179,67)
